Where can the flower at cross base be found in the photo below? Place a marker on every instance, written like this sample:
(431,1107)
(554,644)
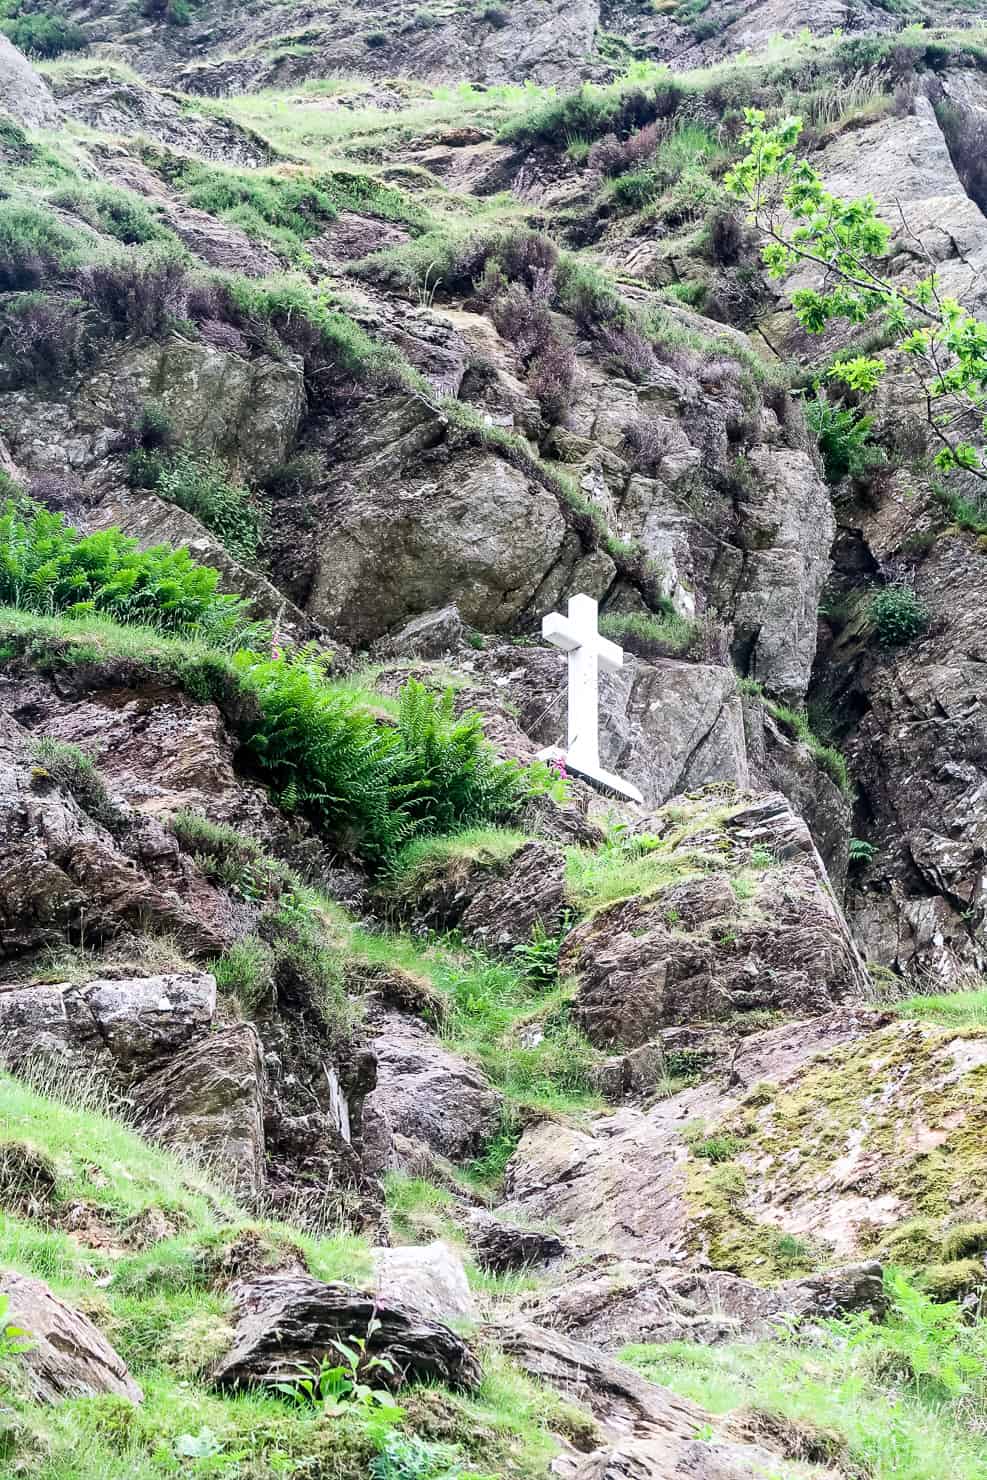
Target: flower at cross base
(558,763)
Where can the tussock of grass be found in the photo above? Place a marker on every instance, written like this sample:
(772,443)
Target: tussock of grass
(601,878)
(425,859)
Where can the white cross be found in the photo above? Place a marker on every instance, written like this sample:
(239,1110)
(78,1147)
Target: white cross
(579,638)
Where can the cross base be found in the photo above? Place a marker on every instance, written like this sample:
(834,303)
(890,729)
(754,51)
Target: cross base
(596,776)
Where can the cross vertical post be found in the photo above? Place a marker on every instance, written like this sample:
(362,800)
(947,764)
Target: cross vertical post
(577,634)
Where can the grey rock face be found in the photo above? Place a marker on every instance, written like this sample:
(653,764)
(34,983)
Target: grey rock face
(610,1303)
(288,1323)
(208,1100)
(620,1185)
(429,1094)
(57,864)
(26,96)
(246,410)
(477,531)
(67,1356)
(432,635)
(140,1018)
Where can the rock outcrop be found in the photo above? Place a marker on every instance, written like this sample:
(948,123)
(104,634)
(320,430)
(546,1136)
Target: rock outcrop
(64,1355)
(285,1324)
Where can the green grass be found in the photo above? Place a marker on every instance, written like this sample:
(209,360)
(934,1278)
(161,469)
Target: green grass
(596,879)
(904,1401)
(99,1160)
(481,1006)
(951,1010)
(427,859)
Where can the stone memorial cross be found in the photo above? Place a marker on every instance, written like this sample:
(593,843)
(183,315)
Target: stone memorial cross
(579,638)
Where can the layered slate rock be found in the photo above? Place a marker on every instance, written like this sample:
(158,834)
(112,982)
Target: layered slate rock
(287,1323)
(501,1246)
(611,1303)
(705,949)
(66,1356)
(646,1431)
(497,902)
(209,1101)
(630,1183)
(428,1094)
(59,866)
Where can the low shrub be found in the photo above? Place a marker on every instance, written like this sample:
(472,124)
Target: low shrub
(33,246)
(71,768)
(117,213)
(898,615)
(844,440)
(44,336)
(666,636)
(41,34)
(202,486)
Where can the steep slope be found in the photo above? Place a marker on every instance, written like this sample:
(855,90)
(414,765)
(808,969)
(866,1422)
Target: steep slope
(377,1100)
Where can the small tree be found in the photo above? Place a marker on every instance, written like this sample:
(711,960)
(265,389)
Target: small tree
(946,347)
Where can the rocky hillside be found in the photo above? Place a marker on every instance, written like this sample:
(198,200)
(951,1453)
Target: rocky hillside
(380,1102)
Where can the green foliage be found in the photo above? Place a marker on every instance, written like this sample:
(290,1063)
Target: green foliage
(796,722)
(286,210)
(901,1399)
(376,786)
(46,566)
(13,1340)
(72,768)
(117,213)
(860,851)
(202,486)
(39,33)
(844,440)
(538,957)
(946,348)
(898,615)
(230,858)
(336,1384)
(33,245)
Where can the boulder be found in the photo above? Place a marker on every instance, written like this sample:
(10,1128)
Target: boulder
(476,528)
(27,99)
(430,1280)
(67,1356)
(286,1324)
(208,1101)
(501,1246)
(429,1094)
(431,635)
(706,949)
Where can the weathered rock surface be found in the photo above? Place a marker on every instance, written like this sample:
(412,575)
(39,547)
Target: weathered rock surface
(247,411)
(500,1246)
(428,1094)
(67,1356)
(26,96)
(629,1185)
(208,1101)
(612,1303)
(287,1323)
(652,1432)
(498,902)
(813,1148)
(58,866)
(431,1280)
(701,948)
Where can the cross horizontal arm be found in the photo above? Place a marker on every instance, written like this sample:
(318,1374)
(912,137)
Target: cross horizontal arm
(560,632)
(610,655)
